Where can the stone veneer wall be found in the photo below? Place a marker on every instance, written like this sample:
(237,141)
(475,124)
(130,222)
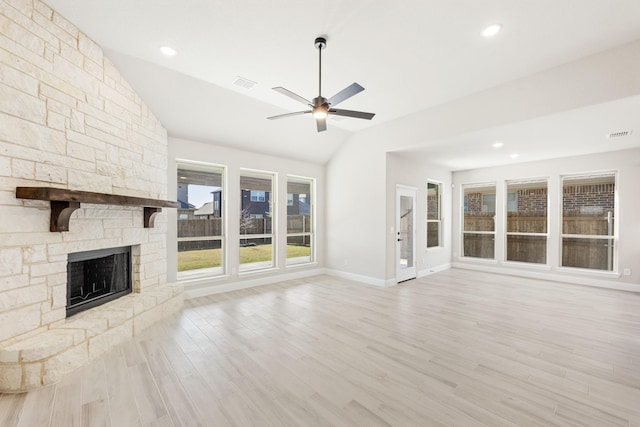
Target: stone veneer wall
(68,119)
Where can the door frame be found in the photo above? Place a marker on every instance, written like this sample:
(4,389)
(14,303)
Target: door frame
(408,273)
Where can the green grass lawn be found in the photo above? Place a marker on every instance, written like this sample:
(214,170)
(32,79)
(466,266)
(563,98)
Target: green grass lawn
(208,258)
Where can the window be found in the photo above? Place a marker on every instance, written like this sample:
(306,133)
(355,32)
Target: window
(527,228)
(200,220)
(257,233)
(588,227)
(478,230)
(434,214)
(300,231)
(257,196)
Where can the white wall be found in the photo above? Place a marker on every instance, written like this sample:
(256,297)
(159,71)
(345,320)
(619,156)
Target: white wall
(235,160)
(356,212)
(357,186)
(403,170)
(626,163)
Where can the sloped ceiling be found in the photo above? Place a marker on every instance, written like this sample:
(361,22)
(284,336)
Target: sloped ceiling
(409,56)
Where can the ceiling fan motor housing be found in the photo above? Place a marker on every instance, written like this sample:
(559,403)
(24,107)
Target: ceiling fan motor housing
(320,101)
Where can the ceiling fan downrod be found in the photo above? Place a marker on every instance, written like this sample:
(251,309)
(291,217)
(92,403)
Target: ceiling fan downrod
(320,44)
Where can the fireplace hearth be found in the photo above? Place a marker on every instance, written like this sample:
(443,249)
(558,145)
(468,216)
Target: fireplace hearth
(97,277)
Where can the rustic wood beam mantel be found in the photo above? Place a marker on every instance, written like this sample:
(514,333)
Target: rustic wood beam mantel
(64,202)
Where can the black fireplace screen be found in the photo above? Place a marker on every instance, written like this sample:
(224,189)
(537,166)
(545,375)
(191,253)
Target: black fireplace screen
(96,277)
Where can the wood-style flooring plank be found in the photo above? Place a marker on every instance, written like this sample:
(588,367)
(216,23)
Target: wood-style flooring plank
(11,408)
(38,407)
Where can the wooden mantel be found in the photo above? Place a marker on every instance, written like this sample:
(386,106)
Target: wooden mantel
(64,202)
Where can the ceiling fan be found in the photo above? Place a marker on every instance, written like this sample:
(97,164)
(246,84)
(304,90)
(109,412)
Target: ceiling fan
(322,107)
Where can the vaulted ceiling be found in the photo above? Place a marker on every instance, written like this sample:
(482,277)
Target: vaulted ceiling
(409,56)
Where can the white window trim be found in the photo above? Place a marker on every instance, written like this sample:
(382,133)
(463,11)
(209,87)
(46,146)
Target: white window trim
(274,222)
(472,185)
(214,272)
(311,234)
(439,221)
(614,272)
(542,180)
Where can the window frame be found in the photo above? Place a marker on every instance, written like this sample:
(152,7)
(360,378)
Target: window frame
(506,211)
(439,220)
(311,234)
(196,274)
(614,237)
(465,210)
(244,268)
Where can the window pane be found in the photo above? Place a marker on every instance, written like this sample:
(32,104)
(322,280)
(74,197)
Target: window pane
(405,233)
(478,245)
(256,191)
(298,249)
(588,210)
(299,220)
(527,207)
(588,205)
(480,208)
(299,211)
(433,214)
(200,215)
(588,253)
(433,200)
(527,249)
(199,254)
(256,253)
(256,221)
(433,234)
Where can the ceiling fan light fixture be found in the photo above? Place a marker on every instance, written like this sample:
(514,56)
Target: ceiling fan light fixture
(320,112)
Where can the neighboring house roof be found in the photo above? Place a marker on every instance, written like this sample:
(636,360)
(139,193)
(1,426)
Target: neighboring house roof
(185,205)
(206,209)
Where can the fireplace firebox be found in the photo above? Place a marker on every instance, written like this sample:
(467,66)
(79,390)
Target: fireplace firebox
(97,277)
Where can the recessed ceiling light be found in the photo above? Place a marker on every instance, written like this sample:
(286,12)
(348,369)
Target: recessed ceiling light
(497,144)
(491,30)
(169,51)
(514,156)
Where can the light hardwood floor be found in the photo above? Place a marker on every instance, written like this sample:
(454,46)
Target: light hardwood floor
(455,348)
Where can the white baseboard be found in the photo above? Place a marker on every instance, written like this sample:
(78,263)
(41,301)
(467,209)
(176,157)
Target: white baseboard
(552,276)
(432,270)
(360,278)
(210,288)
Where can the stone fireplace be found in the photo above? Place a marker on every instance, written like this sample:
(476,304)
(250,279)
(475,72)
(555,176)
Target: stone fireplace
(70,122)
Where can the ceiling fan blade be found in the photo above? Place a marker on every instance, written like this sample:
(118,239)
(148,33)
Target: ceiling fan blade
(350,113)
(345,93)
(281,116)
(322,124)
(292,95)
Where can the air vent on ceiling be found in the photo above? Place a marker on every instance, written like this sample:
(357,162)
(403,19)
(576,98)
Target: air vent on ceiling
(244,83)
(619,134)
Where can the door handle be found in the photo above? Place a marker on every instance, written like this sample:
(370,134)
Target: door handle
(399,240)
